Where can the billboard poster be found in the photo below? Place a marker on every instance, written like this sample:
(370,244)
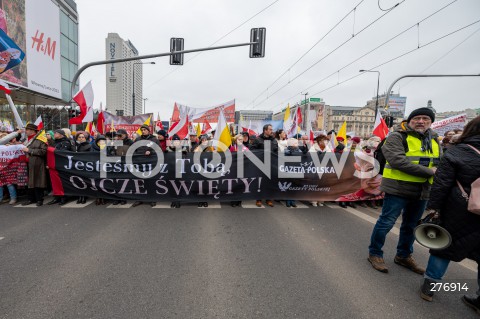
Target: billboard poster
(34,26)
(12,22)
(43,47)
(397,105)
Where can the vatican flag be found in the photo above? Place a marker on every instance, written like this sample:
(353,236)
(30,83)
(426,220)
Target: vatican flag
(222,134)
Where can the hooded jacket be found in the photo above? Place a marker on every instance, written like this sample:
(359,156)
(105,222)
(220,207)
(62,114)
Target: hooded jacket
(462,164)
(394,152)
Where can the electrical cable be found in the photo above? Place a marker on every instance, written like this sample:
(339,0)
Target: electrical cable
(304,54)
(324,57)
(400,56)
(221,38)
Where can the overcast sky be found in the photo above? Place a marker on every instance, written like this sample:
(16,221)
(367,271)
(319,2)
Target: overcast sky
(293,27)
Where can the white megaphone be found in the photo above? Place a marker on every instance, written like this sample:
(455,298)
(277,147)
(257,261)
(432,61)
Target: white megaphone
(429,234)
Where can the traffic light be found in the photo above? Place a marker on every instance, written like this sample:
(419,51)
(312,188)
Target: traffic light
(257,35)
(176,44)
(389,120)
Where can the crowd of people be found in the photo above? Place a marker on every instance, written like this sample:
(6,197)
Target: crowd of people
(420,171)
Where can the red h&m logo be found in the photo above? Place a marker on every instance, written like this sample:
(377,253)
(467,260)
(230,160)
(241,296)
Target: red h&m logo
(48,48)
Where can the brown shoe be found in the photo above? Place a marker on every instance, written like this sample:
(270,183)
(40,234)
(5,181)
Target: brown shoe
(259,203)
(270,203)
(409,263)
(378,263)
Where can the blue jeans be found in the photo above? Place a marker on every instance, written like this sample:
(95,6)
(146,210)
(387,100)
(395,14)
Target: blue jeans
(392,208)
(437,267)
(11,190)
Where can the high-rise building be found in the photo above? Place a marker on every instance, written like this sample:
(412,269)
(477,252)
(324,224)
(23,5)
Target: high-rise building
(124,80)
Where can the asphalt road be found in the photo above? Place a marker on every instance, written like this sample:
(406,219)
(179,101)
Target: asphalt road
(216,262)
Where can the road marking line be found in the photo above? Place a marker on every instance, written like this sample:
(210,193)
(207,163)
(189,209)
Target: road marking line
(75,205)
(469,264)
(2,238)
(162,205)
(330,205)
(250,204)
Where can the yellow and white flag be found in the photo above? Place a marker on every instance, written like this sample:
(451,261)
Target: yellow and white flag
(42,137)
(222,134)
(147,122)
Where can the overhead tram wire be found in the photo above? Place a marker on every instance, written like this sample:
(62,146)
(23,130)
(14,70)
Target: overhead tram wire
(371,51)
(304,54)
(324,57)
(444,55)
(388,8)
(400,56)
(221,38)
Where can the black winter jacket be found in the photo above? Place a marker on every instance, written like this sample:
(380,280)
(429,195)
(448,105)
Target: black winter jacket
(142,149)
(463,164)
(259,143)
(84,147)
(64,144)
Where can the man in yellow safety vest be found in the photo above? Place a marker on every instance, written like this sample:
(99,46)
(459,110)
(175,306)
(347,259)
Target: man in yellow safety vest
(412,153)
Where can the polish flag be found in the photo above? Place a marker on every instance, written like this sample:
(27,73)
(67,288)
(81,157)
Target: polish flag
(207,128)
(101,121)
(380,129)
(299,116)
(39,123)
(4,87)
(180,128)
(312,136)
(84,99)
(158,124)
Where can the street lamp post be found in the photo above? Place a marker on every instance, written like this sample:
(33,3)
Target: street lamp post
(133,83)
(145,99)
(307,112)
(378,86)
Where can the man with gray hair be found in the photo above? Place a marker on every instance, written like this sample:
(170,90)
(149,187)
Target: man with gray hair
(412,153)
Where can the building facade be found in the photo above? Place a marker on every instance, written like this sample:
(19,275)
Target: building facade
(312,111)
(124,80)
(46,32)
(396,104)
(360,120)
(253,115)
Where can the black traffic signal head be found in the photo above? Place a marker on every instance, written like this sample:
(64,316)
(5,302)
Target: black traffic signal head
(176,44)
(257,35)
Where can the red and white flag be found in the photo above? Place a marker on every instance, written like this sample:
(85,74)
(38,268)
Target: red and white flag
(158,124)
(84,99)
(207,128)
(312,136)
(380,128)
(39,123)
(180,128)
(101,121)
(4,87)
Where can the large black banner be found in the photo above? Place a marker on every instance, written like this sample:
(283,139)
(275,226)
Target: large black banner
(214,176)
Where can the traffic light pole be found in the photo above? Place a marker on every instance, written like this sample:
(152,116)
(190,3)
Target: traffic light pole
(149,56)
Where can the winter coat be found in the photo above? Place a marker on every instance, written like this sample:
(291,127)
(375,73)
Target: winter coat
(296,151)
(84,147)
(37,174)
(64,144)
(95,147)
(143,149)
(394,152)
(259,143)
(463,164)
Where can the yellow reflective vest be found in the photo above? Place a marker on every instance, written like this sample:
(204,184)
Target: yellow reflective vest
(416,156)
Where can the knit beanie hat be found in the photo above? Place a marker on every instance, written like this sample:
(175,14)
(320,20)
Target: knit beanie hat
(422,111)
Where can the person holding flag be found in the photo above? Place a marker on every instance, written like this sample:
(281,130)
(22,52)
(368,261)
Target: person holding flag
(36,150)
